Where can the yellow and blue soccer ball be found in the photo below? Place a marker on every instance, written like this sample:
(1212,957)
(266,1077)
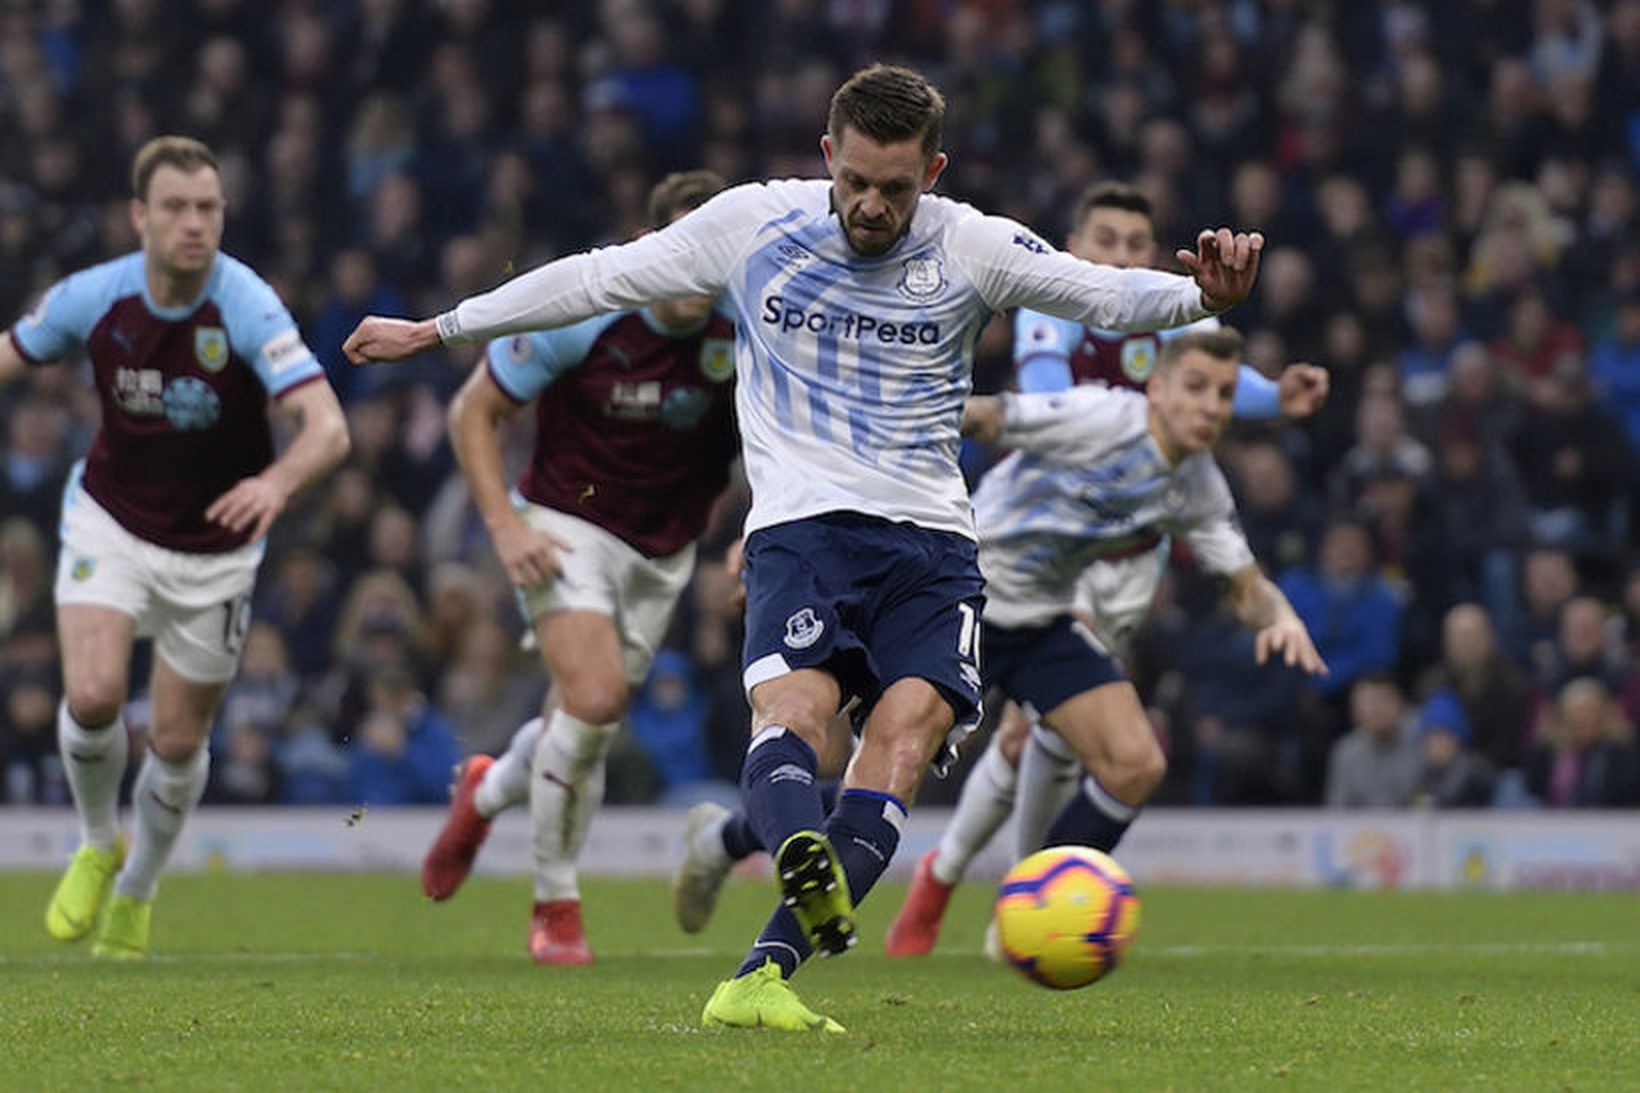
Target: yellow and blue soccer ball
(1065,914)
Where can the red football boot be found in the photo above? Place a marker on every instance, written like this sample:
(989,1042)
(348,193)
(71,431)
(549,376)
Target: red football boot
(917,926)
(451,857)
(556,936)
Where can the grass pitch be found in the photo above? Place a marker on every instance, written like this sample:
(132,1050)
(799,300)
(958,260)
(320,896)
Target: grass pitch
(356,982)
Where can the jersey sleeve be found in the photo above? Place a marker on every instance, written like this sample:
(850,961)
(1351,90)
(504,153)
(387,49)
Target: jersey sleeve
(1012,267)
(524,365)
(1043,346)
(262,332)
(1258,397)
(1209,522)
(62,320)
(692,256)
(1074,425)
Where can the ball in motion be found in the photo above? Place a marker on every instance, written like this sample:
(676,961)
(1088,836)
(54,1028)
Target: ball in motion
(1064,916)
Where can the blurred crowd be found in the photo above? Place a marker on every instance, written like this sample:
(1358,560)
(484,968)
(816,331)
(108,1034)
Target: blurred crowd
(1449,190)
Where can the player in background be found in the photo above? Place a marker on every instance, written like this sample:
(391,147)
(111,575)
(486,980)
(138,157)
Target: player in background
(164,522)
(858,301)
(634,438)
(1031,773)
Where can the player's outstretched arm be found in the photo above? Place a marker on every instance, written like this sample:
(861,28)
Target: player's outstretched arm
(1278,631)
(377,339)
(12,362)
(320,443)
(528,554)
(1224,266)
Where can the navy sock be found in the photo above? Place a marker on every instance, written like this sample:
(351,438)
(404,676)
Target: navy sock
(740,839)
(1091,818)
(864,831)
(778,783)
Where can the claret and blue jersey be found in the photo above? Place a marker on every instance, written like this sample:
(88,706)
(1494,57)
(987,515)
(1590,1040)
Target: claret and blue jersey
(184,390)
(635,427)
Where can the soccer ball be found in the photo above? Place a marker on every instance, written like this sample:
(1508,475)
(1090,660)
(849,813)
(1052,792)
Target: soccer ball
(1065,914)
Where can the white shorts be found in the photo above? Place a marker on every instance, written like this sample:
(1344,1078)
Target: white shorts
(196,607)
(1116,595)
(606,575)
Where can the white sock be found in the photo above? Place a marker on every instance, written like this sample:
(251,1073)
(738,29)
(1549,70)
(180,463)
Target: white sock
(982,808)
(94,761)
(507,782)
(1048,775)
(567,789)
(164,795)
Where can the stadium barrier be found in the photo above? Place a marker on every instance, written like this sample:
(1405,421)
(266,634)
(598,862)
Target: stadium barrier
(1281,847)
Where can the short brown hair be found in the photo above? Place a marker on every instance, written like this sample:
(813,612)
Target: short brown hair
(681,192)
(1223,344)
(1111,195)
(889,103)
(184,153)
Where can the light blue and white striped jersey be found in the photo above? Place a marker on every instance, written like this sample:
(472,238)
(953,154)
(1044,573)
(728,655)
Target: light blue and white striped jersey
(852,370)
(1085,481)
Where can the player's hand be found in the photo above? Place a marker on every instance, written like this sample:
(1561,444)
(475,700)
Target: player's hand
(250,506)
(1302,389)
(1288,639)
(528,554)
(1224,265)
(381,339)
(983,418)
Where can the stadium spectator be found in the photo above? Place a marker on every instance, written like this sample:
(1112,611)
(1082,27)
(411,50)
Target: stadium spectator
(405,746)
(1494,692)
(1585,756)
(1377,763)
(1451,775)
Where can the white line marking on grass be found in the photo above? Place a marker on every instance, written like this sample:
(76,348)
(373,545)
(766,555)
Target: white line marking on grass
(197,958)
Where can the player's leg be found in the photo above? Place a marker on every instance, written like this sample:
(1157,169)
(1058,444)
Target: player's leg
(169,785)
(983,806)
(91,737)
(1109,730)
(1049,772)
(481,790)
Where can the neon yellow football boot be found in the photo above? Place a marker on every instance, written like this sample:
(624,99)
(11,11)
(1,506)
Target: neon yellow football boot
(812,884)
(124,933)
(762,999)
(80,894)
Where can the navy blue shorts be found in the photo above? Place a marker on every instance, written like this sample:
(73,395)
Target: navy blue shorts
(1042,666)
(869,601)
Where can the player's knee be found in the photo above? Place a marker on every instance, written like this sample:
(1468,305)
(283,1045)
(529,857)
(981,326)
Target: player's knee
(174,747)
(95,702)
(596,701)
(1140,770)
(1011,733)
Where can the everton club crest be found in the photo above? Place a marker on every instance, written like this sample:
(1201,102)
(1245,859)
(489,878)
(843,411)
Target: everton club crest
(922,278)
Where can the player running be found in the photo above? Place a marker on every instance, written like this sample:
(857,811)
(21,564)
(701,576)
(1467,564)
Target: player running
(1030,774)
(858,302)
(164,522)
(634,438)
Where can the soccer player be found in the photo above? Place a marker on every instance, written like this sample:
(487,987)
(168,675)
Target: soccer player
(1031,773)
(164,522)
(1097,473)
(634,439)
(858,301)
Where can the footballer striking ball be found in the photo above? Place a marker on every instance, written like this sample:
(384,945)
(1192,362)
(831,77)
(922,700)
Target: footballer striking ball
(1065,914)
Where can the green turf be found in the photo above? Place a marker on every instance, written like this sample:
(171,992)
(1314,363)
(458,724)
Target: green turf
(355,982)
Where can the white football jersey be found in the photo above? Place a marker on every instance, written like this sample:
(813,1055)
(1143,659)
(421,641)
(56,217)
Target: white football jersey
(852,370)
(1086,480)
